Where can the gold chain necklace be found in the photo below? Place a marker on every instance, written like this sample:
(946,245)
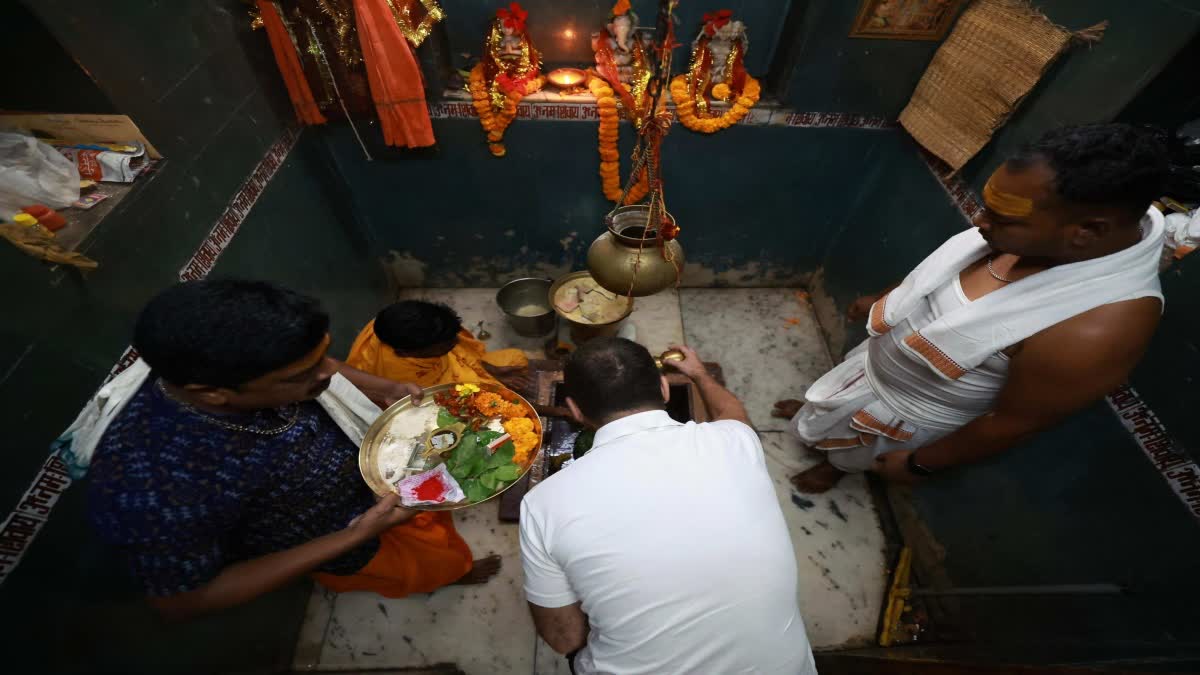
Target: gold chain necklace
(992,271)
(290,420)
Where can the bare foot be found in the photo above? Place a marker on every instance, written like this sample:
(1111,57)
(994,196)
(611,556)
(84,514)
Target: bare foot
(787,408)
(481,571)
(817,479)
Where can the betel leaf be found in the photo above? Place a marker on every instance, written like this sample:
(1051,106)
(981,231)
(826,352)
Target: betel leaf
(445,419)
(489,481)
(502,456)
(468,459)
(506,473)
(486,436)
(475,491)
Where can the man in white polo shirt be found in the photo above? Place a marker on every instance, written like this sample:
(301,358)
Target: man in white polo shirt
(663,550)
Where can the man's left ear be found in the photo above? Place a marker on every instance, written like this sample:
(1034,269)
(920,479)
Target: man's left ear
(666,388)
(1091,231)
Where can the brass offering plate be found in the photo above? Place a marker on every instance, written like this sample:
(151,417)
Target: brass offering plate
(378,435)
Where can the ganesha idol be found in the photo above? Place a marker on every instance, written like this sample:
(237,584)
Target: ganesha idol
(716,70)
(621,51)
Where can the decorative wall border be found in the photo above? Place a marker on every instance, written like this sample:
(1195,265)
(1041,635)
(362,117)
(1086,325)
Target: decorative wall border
(960,192)
(26,520)
(1169,459)
(585,111)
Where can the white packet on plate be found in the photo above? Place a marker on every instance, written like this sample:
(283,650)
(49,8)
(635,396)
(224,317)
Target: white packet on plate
(435,486)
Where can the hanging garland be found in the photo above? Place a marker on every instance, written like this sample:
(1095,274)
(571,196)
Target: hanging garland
(610,157)
(499,81)
(605,84)
(738,89)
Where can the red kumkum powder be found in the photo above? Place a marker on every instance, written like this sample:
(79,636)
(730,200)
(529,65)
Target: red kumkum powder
(432,489)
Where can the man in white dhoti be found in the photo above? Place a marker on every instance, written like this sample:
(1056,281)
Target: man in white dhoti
(1008,327)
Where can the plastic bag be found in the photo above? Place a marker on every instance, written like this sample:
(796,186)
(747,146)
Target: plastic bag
(32,172)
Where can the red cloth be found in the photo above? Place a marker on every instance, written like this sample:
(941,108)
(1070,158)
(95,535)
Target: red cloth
(393,75)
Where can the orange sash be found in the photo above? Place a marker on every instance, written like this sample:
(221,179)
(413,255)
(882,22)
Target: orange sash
(419,556)
(464,363)
(298,90)
(393,75)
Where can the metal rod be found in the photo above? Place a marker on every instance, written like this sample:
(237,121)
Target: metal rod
(333,80)
(1062,589)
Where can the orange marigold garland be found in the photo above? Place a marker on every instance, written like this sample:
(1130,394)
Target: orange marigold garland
(739,89)
(610,157)
(605,84)
(509,70)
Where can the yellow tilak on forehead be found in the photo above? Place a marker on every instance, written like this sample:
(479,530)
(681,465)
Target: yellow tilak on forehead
(1006,204)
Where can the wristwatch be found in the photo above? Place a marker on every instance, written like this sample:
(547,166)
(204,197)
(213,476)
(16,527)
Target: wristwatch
(915,468)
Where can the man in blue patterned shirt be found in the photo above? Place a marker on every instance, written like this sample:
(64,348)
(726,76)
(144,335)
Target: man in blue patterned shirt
(224,479)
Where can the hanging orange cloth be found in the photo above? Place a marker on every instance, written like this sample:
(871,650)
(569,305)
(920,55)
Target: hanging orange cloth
(393,75)
(419,556)
(464,363)
(289,65)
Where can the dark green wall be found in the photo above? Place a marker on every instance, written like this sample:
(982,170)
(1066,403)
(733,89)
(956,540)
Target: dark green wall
(1094,83)
(30,89)
(758,205)
(834,73)
(204,89)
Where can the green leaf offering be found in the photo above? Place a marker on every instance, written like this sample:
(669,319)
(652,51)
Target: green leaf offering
(475,491)
(503,455)
(481,472)
(506,473)
(445,419)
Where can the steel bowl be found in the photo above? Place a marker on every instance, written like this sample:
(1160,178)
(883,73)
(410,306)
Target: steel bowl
(521,293)
(377,435)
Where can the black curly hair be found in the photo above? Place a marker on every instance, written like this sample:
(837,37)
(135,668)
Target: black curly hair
(413,325)
(227,332)
(1119,165)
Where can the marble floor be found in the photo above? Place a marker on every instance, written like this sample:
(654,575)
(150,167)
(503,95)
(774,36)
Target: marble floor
(770,347)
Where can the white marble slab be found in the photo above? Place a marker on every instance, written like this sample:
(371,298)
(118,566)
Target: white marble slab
(840,549)
(766,340)
(481,629)
(658,320)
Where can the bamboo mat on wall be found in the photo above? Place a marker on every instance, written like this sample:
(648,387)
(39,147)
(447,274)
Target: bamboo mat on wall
(998,51)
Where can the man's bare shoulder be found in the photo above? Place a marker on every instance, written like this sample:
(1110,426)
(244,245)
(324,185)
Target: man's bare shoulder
(1107,331)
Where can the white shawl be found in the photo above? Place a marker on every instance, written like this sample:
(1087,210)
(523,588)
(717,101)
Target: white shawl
(960,340)
(350,409)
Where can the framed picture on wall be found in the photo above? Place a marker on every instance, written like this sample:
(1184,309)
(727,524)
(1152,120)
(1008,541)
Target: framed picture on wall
(905,19)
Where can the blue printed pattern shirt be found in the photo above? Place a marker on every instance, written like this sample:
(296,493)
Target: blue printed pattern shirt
(182,497)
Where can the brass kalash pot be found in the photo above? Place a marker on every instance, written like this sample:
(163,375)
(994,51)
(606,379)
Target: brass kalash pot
(638,254)
(631,258)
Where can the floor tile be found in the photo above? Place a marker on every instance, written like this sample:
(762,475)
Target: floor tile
(839,549)
(766,340)
(658,320)
(481,629)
